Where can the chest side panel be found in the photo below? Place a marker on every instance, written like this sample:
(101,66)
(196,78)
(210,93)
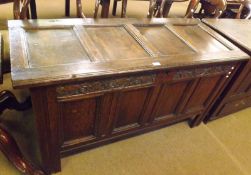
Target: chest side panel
(244,81)
(238,92)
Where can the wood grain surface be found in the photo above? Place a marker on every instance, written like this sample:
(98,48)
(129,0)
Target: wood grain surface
(93,82)
(238,93)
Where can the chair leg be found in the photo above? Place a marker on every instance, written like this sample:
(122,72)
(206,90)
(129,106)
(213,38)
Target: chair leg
(67,7)
(80,13)
(123,10)
(192,6)
(167,8)
(33,9)
(114,8)
(161,6)
(105,8)
(28,14)
(97,3)
(10,149)
(9,101)
(151,9)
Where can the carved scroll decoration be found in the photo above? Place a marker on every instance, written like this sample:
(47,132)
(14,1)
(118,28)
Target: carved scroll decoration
(105,85)
(199,72)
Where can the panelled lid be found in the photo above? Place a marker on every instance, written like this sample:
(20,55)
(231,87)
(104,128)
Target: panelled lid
(237,30)
(45,52)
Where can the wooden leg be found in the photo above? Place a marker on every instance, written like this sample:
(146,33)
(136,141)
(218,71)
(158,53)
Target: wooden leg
(97,3)
(67,7)
(105,8)
(47,128)
(80,13)
(33,9)
(167,8)
(123,11)
(194,122)
(114,8)
(192,6)
(160,9)
(20,9)
(28,14)
(10,149)
(151,8)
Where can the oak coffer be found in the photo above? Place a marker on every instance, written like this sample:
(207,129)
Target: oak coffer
(237,95)
(96,81)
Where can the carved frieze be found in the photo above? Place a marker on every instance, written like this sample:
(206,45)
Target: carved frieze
(199,72)
(105,85)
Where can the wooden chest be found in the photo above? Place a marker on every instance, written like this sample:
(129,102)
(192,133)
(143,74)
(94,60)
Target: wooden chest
(237,95)
(96,81)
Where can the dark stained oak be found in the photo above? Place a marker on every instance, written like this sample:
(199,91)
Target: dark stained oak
(117,77)
(237,96)
(1,59)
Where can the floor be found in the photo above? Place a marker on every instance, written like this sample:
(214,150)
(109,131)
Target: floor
(221,147)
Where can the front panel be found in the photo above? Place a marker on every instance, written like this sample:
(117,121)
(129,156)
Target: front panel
(200,98)
(80,119)
(131,105)
(170,99)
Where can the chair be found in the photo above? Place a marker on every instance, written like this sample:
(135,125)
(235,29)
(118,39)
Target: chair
(8,145)
(238,9)
(80,13)
(169,5)
(246,11)
(157,8)
(21,8)
(209,8)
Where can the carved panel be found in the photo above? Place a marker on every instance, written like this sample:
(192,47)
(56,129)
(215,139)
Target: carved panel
(82,116)
(170,98)
(130,109)
(105,85)
(203,93)
(200,72)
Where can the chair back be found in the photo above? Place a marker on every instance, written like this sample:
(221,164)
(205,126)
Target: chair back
(209,8)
